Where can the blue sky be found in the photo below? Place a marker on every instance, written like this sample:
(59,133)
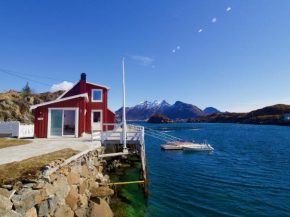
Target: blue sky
(239,63)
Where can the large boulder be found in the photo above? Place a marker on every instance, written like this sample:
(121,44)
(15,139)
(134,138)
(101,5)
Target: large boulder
(9,213)
(73,178)
(63,210)
(101,192)
(81,212)
(4,192)
(31,212)
(49,190)
(47,206)
(72,197)
(5,203)
(99,207)
(83,186)
(27,199)
(62,186)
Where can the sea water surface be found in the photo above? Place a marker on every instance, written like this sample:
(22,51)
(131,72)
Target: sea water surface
(248,173)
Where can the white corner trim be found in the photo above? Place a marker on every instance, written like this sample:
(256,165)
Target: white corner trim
(60,100)
(111,111)
(93,95)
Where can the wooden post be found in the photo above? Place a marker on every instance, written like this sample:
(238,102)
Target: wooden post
(124,110)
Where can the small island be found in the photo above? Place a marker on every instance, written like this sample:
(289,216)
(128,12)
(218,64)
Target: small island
(159,119)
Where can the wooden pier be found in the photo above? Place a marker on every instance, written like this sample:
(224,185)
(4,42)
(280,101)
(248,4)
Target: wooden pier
(135,143)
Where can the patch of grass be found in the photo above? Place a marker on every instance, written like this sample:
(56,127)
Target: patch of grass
(12,172)
(5,143)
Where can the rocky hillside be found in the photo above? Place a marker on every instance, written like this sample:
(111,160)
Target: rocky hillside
(15,107)
(146,109)
(271,115)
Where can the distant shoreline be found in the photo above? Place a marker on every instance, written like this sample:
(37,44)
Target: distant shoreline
(206,122)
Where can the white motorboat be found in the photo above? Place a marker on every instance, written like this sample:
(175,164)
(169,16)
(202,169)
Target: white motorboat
(198,147)
(188,146)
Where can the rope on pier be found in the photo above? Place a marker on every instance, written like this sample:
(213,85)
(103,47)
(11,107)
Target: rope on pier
(124,183)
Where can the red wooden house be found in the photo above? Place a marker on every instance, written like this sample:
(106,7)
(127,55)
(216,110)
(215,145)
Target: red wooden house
(75,112)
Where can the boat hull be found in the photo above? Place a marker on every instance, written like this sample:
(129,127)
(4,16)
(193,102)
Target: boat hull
(198,148)
(171,147)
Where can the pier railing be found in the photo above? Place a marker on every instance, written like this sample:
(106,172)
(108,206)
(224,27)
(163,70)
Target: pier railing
(134,133)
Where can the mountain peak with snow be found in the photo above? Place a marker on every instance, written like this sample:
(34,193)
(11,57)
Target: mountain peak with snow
(151,105)
(178,110)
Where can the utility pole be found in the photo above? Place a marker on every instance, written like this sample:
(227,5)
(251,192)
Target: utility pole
(125,150)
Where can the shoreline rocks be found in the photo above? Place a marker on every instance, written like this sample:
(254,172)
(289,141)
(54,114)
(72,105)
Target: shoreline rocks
(68,191)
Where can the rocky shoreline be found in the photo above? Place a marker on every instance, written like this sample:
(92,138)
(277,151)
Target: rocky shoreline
(79,188)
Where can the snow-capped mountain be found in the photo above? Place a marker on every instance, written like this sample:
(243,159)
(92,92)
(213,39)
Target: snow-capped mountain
(151,105)
(146,109)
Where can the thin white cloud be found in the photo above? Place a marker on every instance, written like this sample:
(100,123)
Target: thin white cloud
(143,60)
(61,86)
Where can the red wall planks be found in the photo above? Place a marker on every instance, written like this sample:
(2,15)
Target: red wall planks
(111,118)
(41,115)
(85,109)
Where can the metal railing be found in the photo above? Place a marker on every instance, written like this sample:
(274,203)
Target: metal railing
(134,132)
(159,135)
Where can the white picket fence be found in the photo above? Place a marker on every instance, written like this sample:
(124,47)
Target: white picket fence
(17,129)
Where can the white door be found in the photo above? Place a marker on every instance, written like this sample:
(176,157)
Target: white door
(97,121)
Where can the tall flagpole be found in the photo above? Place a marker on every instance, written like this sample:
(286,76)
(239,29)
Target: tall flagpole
(124,111)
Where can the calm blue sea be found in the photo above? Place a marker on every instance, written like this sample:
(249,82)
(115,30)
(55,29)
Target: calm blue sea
(248,173)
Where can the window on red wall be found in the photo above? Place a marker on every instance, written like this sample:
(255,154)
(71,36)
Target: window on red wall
(97,95)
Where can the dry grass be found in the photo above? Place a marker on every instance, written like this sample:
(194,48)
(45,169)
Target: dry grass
(5,143)
(29,168)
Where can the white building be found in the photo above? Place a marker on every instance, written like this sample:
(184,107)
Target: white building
(287,117)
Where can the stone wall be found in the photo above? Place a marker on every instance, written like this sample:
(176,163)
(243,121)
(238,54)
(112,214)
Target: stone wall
(62,190)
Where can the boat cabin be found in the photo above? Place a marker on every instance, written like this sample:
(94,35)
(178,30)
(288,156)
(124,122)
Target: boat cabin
(81,109)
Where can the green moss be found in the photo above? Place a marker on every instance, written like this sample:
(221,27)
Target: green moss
(129,200)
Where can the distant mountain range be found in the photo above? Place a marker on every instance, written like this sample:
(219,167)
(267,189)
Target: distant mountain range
(179,110)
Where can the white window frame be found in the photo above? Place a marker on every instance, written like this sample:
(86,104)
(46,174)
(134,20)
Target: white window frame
(101,100)
(76,122)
